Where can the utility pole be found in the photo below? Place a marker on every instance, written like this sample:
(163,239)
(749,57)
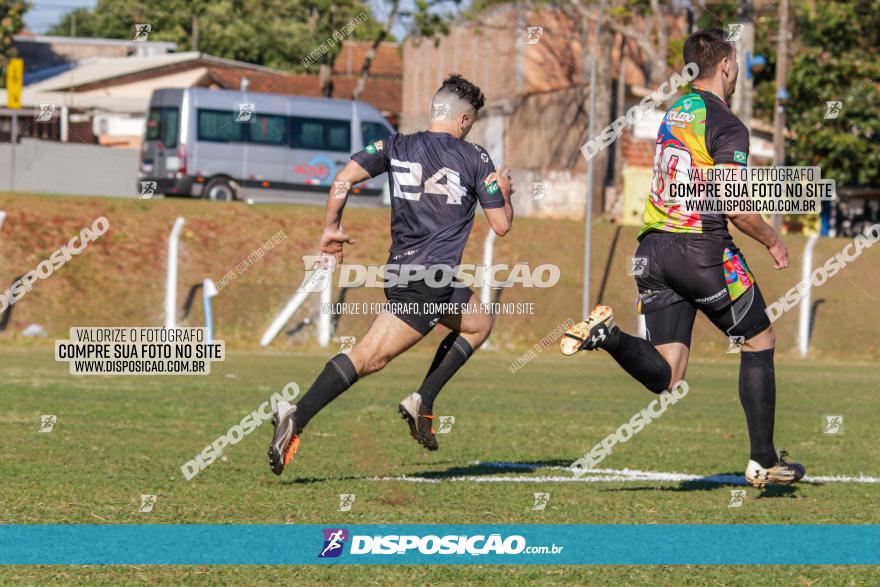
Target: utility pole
(781,95)
(194,37)
(588,208)
(745,49)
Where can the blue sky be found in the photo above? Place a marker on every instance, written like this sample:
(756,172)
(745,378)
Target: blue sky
(45,13)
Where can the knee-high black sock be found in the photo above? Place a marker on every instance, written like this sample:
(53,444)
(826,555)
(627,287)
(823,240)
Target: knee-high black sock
(757,394)
(640,359)
(338,375)
(451,355)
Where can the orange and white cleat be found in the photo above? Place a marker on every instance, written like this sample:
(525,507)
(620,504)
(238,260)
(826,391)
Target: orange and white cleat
(420,421)
(285,441)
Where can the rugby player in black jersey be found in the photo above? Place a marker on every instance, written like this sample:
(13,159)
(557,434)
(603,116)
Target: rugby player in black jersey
(436,180)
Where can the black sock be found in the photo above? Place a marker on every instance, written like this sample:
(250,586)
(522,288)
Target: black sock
(451,355)
(639,358)
(757,394)
(338,375)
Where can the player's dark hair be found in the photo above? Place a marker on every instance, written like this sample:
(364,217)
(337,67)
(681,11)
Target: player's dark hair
(707,49)
(464,89)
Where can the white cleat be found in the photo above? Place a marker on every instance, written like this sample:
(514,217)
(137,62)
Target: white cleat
(782,473)
(589,334)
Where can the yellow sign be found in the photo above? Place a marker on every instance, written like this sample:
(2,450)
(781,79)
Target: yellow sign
(14,77)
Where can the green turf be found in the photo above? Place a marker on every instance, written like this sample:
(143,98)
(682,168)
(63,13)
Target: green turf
(650,576)
(119,437)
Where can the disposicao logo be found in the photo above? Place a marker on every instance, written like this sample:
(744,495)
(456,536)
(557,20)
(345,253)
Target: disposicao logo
(334,541)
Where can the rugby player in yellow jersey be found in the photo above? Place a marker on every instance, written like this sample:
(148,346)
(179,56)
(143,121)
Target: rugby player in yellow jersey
(693,263)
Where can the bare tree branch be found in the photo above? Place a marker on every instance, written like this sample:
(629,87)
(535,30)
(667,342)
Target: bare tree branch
(371,53)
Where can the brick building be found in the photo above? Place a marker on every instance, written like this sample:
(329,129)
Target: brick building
(530,65)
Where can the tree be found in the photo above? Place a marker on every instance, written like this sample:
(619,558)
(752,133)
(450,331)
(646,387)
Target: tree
(836,58)
(274,33)
(11,23)
(833,57)
(371,53)
(642,23)
(332,21)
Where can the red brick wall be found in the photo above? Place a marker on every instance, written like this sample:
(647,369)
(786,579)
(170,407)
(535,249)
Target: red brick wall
(482,54)
(638,152)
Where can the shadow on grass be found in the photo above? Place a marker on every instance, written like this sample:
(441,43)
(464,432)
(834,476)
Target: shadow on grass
(491,468)
(711,482)
(473,469)
(308,480)
(707,483)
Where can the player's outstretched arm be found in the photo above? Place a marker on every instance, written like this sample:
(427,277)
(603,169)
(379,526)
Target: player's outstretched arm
(334,237)
(501,219)
(754,226)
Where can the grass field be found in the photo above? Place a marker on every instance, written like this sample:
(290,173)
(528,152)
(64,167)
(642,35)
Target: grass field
(120,279)
(119,437)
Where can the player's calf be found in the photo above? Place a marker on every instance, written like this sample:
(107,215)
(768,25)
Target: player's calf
(367,364)
(637,356)
(477,329)
(289,421)
(417,409)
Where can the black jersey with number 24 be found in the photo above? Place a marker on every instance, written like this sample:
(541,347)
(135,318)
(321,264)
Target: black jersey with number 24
(436,181)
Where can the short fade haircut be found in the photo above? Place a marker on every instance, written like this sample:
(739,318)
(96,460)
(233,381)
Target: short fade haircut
(457,89)
(707,49)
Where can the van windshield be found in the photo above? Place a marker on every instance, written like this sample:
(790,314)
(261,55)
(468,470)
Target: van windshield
(163,125)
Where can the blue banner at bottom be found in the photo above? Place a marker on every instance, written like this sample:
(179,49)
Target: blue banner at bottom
(678,544)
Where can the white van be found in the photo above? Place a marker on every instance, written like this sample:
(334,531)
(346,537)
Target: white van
(216,143)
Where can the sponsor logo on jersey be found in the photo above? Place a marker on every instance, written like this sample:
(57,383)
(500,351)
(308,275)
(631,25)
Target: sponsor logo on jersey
(491,183)
(375,147)
(647,296)
(680,116)
(713,298)
(739,157)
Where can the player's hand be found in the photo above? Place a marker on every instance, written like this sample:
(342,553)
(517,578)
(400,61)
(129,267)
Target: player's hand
(779,252)
(332,241)
(505,182)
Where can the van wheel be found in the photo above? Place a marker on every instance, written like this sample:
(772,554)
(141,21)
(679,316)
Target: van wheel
(219,189)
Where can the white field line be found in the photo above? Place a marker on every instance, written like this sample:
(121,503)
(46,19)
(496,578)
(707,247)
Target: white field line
(607,476)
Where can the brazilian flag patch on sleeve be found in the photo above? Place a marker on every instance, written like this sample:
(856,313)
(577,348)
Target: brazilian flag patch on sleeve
(739,157)
(491,183)
(375,147)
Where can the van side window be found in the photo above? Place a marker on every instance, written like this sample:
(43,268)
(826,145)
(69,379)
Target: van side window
(374,131)
(219,126)
(268,129)
(163,125)
(320,134)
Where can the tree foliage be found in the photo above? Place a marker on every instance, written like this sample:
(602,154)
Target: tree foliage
(11,23)
(273,33)
(836,57)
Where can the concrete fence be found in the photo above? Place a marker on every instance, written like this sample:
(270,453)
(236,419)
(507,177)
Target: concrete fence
(554,194)
(75,169)
(67,168)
